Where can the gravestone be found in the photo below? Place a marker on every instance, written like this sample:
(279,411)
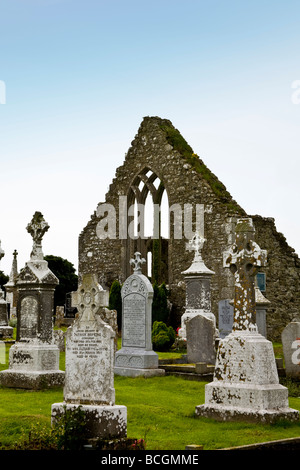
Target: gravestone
(201,335)
(136,356)
(225,310)
(11,287)
(261,309)
(6,331)
(34,359)
(245,385)
(290,337)
(197,280)
(89,381)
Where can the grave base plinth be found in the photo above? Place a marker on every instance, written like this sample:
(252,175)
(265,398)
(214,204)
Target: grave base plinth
(246,384)
(102,421)
(34,380)
(134,362)
(33,365)
(6,331)
(233,413)
(132,372)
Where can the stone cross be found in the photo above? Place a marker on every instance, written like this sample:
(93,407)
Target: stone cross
(137,263)
(88,297)
(244,258)
(37,229)
(196,244)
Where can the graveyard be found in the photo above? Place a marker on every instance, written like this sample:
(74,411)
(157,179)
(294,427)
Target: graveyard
(165,420)
(202,392)
(183,344)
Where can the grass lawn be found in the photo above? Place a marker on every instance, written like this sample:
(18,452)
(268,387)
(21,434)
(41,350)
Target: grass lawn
(160,409)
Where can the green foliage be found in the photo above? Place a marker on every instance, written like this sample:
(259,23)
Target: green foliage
(163,336)
(3,279)
(71,427)
(115,301)
(67,433)
(293,386)
(160,311)
(40,437)
(65,272)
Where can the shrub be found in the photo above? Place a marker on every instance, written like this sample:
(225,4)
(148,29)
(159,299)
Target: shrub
(160,311)
(66,434)
(115,301)
(163,336)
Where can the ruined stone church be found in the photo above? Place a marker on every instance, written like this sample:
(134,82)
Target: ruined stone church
(161,168)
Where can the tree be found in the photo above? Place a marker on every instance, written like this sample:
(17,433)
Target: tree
(68,280)
(3,279)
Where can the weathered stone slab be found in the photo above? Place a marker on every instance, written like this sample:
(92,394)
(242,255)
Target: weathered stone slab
(102,422)
(201,336)
(226,312)
(291,349)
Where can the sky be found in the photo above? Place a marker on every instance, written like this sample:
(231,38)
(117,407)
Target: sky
(77,77)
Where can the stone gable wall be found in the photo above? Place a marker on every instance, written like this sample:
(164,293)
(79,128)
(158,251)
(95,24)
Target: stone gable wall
(184,184)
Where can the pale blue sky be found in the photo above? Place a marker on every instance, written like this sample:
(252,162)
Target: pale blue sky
(81,75)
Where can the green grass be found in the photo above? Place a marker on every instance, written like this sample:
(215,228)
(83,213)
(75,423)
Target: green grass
(159,409)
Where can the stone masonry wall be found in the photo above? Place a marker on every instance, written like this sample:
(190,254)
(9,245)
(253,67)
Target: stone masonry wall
(282,277)
(187,181)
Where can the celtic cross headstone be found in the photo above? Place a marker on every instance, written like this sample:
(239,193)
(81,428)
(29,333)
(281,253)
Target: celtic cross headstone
(245,385)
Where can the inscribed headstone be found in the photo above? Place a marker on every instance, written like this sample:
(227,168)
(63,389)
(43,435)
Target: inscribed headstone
(89,381)
(225,311)
(201,337)
(136,356)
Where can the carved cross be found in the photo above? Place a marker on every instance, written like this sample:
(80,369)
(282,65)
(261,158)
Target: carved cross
(196,244)
(37,229)
(88,297)
(137,263)
(244,259)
